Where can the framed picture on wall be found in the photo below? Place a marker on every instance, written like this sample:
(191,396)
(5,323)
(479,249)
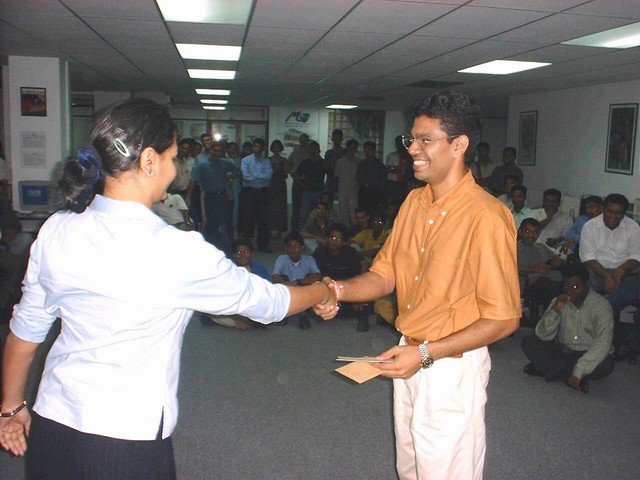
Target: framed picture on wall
(33,101)
(621,138)
(527,138)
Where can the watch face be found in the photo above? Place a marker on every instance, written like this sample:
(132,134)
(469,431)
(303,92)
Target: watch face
(427,363)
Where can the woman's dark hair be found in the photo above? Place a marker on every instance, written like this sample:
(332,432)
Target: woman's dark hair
(458,115)
(120,134)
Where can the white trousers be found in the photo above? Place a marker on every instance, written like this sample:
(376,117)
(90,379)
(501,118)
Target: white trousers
(439,419)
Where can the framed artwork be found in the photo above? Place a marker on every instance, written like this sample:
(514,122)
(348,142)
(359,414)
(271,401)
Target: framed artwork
(527,138)
(33,101)
(621,138)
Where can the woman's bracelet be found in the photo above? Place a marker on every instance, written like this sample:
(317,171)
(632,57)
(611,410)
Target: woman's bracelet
(13,412)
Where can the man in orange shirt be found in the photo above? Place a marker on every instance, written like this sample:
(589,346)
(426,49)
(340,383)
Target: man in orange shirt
(451,257)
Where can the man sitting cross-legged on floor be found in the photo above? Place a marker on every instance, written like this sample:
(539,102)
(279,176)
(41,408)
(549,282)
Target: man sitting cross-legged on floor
(572,341)
(340,261)
(296,269)
(242,255)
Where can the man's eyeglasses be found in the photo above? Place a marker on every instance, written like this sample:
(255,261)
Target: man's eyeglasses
(407,140)
(337,239)
(240,252)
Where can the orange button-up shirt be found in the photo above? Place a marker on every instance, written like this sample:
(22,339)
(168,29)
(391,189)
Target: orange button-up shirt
(453,261)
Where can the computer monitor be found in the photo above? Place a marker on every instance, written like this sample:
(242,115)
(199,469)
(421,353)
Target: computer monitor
(35,196)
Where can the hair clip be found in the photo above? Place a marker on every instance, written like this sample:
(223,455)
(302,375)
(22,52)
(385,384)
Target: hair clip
(121,148)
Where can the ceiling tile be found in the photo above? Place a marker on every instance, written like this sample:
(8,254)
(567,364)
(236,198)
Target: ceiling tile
(607,8)
(360,43)
(300,14)
(537,5)
(270,37)
(129,9)
(206,34)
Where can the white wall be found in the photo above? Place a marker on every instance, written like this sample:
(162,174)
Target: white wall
(572,139)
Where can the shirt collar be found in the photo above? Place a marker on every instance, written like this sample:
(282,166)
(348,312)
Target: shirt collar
(123,209)
(449,198)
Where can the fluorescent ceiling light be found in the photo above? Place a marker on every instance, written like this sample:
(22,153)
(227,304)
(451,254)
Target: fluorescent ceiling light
(212,91)
(211,107)
(503,67)
(206,11)
(339,106)
(213,101)
(621,37)
(215,74)
(209,52)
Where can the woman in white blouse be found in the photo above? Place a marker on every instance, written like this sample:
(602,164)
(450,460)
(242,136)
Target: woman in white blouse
(125,284)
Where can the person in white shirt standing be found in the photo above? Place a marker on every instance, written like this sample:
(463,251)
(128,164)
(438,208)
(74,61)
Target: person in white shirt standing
(107,401)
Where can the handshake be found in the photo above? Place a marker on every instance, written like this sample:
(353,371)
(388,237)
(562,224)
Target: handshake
(329,308)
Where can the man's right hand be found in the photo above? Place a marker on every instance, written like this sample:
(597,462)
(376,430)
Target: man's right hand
(610,284)
(561,302)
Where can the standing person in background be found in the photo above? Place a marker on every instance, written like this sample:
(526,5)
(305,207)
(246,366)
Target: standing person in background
(184,164)
(120,340)
(299,153)
(278,189)
(481,164)
(371,177)
(254,196)
(452,256)
(345,172)
(331,158)
(310,176)
(396,181)
(508,167)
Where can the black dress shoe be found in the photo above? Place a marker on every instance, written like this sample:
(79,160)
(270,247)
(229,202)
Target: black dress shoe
(363,324)
(532,370)
(305,324)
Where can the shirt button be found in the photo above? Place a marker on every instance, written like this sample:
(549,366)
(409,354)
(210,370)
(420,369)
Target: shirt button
(422,250)
(417,277)
(409,307)
(443,213)
(430,222)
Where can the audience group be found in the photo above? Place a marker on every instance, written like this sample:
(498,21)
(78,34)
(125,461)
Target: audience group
(582,272)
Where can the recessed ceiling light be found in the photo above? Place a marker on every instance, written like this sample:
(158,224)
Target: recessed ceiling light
(503,67)
(621,37)
(209,52)
(210,107)
(206,11)
(215,74)
(213,101)
(212,91)
(339,106)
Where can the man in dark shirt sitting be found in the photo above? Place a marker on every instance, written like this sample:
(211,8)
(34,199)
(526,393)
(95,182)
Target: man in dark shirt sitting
(340,261)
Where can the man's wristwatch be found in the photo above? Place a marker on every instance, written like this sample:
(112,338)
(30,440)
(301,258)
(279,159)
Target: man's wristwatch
(425,358)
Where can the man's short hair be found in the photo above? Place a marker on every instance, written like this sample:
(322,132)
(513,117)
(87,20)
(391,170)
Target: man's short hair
(204,135)
(361,210)
(336,131)
(259,141)
(242,242)
(510,177)
(576,270)
(294,236)
(617,199)
(531,222)
(339,227)
(552,191)
(313,143)
(519,188)
(185,141)
(352,141)
(593,199)
(322,203)
(458,115)
(369,143)
(483,145)
(509,149)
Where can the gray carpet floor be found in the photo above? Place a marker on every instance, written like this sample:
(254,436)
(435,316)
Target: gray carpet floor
(266,404)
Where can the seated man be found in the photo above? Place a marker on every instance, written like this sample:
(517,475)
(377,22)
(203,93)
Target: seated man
(296,269)
(592,208)
(510,181)
(370,240)
(518,208)
(339,261)
(554,223)
(174,211)
(610,248)
(315,228)
(538,264)
(572,341)
(362,222)
(242,253)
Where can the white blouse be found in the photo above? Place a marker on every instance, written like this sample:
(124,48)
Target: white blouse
(125,285)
